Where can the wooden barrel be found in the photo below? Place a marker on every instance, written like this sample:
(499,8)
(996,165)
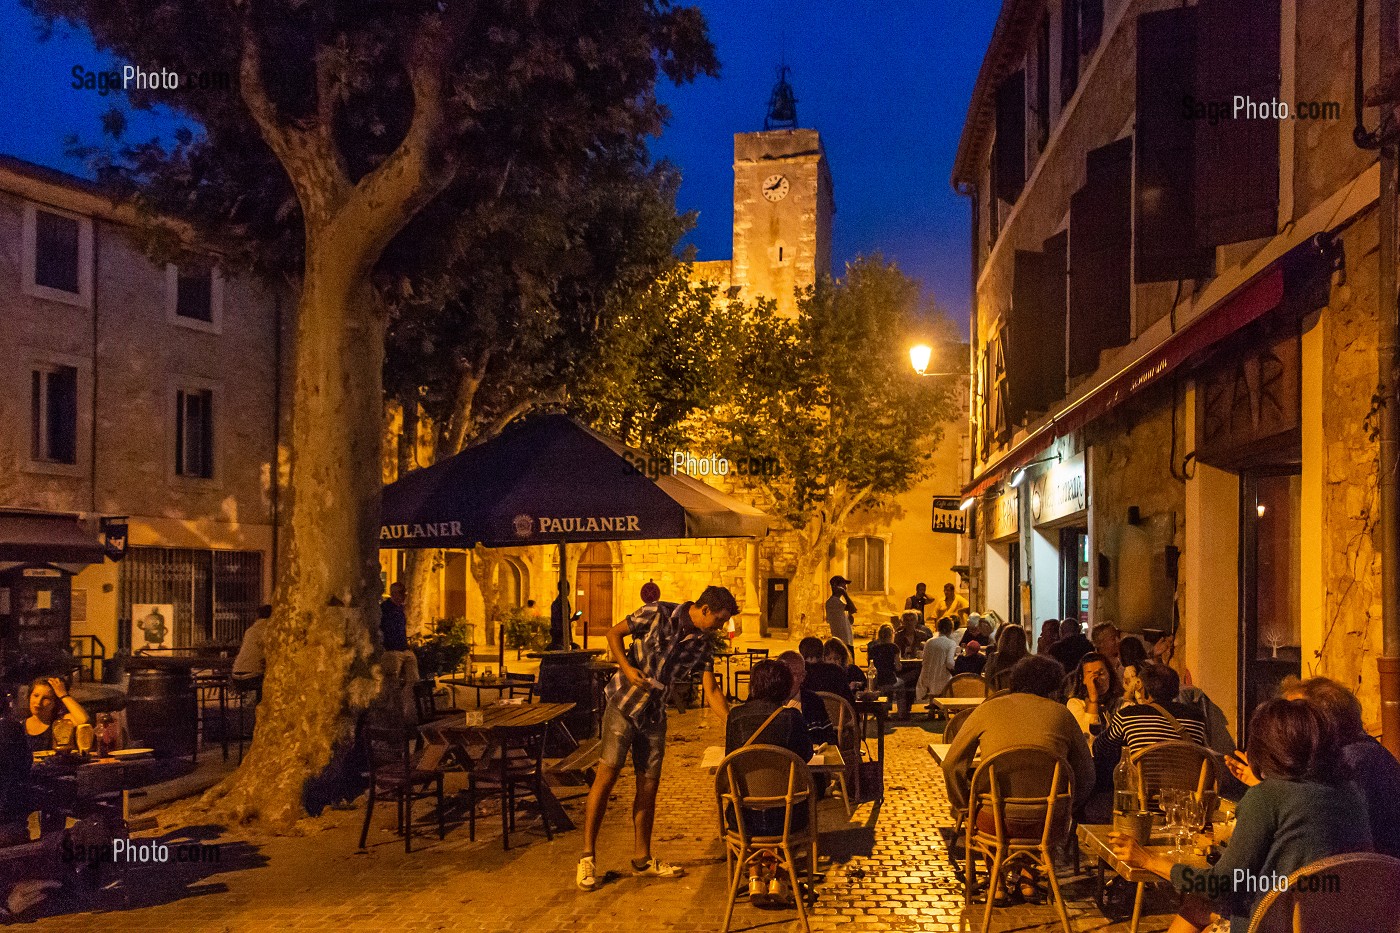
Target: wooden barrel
(162,712)
(566,677)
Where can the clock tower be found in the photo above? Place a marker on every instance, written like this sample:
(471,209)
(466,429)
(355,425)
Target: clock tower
(783,205)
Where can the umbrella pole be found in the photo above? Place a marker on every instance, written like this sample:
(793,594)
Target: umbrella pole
(564,594)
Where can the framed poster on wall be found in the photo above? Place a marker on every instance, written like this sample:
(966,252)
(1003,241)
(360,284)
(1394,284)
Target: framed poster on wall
(152,626)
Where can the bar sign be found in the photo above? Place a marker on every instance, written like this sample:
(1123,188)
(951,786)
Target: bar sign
(948,519)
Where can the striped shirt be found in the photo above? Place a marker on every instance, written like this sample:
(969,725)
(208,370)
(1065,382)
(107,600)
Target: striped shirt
(668,647)
(1137,726)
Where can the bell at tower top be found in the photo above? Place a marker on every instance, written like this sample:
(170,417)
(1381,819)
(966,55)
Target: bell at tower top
(782,104)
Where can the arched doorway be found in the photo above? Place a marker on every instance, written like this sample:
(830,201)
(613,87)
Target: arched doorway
(595,588)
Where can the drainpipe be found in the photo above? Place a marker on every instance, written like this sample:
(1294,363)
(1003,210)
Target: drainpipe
(1389,320)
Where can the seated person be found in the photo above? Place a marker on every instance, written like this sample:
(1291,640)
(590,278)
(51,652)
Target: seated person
(767,719)
(1026,716)
(940,656)
(1094,693)
(1010,648)
(251,663)
(971,661)
(1302,808)
(49,703)
(1133,654)
(884,654)
(835,653)
(1072,645)
(911,635)
(819,725)
(1159,719)
(15,761)
(821,676)
(1375,771)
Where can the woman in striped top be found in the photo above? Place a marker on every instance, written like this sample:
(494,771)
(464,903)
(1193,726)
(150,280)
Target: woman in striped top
(1159,719)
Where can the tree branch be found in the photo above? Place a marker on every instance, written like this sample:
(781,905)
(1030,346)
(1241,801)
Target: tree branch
(416,171)
(554,396)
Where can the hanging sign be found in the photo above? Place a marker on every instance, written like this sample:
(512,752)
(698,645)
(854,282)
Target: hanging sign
(948,519)
(1060,491)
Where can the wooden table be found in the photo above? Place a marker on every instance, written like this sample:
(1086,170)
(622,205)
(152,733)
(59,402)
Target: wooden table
(497,684)
(454,731)
(1095,838)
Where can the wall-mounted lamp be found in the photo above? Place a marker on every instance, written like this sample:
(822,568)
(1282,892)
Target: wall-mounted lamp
(920,355)
(1260,509)
(968,503)
(1018,476)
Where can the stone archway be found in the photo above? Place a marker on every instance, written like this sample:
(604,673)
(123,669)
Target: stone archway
(597,572)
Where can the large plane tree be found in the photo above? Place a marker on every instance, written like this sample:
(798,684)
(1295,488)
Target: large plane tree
(350,118)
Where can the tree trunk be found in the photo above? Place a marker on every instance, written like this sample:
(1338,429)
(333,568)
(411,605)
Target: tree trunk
(324,631)
(809,578)
(420,566)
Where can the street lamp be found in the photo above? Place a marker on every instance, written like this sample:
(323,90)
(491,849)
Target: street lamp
(919,356)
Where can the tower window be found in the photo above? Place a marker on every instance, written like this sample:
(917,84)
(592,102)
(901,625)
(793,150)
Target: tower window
(780,254)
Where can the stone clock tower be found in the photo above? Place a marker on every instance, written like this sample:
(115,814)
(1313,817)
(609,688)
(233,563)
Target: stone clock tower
(783,205)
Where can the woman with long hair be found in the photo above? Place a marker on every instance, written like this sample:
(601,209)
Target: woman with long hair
(1010,648)
(50,703)
(1303,808)
(1094,692)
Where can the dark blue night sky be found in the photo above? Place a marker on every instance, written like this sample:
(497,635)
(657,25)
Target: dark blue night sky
(886,83)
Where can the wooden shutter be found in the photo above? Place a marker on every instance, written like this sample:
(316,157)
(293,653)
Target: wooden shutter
(1010,150)
(1100,230)
(1035,335)
(1069,49)
(1042,83)
(1237,161)
(1166,235)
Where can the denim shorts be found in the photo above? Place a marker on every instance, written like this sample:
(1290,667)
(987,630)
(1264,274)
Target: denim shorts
(647,743)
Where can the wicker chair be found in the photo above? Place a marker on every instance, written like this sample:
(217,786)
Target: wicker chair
(847,725)
(1353,893)
(966,685)
(1176,764)
(765,777)
(1019,804)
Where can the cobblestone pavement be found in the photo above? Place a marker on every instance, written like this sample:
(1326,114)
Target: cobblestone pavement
(887,873)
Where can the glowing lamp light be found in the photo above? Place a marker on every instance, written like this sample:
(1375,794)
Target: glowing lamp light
(1018,477)
(1260,509)
(968,503)
(919,356)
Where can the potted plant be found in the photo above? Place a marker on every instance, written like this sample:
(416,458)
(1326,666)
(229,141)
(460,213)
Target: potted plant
(442,650)
(524,630)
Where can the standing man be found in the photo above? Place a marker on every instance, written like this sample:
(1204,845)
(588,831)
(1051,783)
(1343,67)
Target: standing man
(840,611)
(671,642)
(399,662)
(560,638)
(953,606)
(919,600)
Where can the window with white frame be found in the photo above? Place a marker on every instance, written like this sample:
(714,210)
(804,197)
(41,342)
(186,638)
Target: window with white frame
(53,436)
(194,433)
(194,295)
(865,564)
(57,255)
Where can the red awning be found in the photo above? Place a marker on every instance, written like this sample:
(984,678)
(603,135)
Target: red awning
(1248,303)
(47,538)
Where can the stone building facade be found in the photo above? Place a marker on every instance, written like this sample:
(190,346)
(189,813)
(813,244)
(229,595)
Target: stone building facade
(141,392)
(783,210)
(1174,334)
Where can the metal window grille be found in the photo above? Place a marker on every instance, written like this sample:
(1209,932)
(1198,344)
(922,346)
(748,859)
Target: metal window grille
(216,594)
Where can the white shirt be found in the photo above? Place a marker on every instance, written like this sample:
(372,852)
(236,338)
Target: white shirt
(251,660)
(837,618)
(939,655)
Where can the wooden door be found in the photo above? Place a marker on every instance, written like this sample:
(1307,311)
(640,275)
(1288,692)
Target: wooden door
(594,593)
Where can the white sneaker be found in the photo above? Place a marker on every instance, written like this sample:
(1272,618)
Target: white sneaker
(585,876)
(659,869)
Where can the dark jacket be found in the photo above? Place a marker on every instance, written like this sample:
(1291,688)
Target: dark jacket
(1377,774)
(1068,651)
(15,761)
(787,730)
(393,625)
(828,678)
(885,657)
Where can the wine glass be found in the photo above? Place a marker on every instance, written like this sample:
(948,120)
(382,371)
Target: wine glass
(84,736)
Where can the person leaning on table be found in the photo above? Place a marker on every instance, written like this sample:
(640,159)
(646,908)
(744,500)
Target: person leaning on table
(1304,808)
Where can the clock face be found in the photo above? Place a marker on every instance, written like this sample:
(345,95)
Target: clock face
(775,188)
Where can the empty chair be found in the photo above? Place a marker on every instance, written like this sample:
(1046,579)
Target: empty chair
(395,772)
(766,778)
(1353,893)
(844,721)
(966,685)
(513,765)
(1020,804)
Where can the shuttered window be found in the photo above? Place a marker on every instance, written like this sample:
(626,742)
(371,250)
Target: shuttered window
(1069,49)
(1100,230)
(1165,237)
(1090,25)
(1035,334)
(1042,83)
(1237,161)
(1009,150)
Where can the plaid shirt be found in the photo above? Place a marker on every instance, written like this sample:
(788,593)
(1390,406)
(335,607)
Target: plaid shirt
(667,648)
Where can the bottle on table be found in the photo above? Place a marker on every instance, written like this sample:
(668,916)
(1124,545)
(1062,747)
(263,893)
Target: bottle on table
(1125,789)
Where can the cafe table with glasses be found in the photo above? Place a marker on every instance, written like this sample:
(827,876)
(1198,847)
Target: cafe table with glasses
(1174,833)
(73,782)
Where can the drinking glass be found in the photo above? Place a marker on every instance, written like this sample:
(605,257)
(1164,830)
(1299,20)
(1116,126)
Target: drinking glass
(62,734)
(84,739)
